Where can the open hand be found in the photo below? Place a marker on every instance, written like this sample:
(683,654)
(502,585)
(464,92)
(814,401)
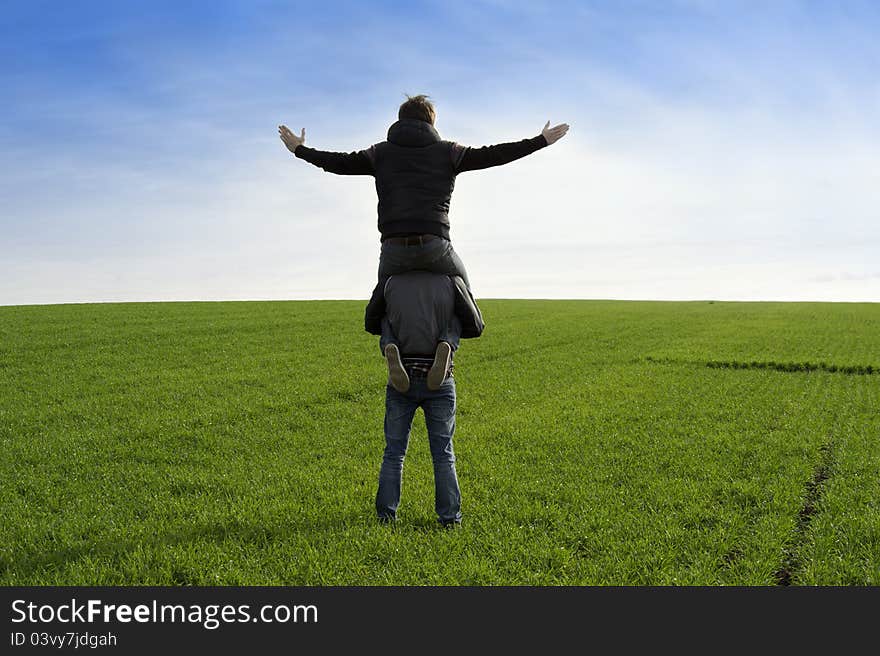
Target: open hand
(290,139)
(554,134)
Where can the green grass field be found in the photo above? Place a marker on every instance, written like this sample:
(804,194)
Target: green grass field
(598,442)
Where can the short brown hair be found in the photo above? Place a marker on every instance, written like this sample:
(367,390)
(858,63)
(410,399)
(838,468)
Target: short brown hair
(419,108)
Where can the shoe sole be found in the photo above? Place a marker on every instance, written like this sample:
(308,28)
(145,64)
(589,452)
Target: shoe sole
(397,375)
(437,372)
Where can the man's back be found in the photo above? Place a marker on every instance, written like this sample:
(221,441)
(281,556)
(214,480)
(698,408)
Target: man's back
(420,307)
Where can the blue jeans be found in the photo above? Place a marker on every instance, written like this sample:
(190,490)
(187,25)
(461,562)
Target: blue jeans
(439,409)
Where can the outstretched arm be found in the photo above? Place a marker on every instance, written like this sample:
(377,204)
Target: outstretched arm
(354,163)
(472,159)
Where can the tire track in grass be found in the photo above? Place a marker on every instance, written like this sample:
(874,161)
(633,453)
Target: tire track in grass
(844,540)
(857,369)
(792,562)
(795,367)
(793,558)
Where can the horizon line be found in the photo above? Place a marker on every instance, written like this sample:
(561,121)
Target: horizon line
(488,298)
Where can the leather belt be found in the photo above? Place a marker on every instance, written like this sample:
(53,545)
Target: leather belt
(411,240)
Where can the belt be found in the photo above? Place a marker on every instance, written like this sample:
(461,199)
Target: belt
(411,240)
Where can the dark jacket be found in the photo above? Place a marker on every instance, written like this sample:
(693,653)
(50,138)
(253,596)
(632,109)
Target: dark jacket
(420,307)
(466,309)
(415,176)
(415,173)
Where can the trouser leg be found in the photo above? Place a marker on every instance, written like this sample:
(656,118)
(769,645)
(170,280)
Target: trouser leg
(399,411)
(388,336)
(439,408)
(436,256)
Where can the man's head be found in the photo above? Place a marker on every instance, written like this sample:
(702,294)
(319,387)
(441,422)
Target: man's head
(419,108)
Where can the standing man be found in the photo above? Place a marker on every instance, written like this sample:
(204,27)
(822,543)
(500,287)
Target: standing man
(420,334)
(415,174)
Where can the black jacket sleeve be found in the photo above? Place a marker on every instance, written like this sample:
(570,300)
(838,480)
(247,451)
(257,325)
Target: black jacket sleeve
(472,159)
(355,163)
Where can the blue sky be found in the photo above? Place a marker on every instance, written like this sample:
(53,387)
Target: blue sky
(721,150)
